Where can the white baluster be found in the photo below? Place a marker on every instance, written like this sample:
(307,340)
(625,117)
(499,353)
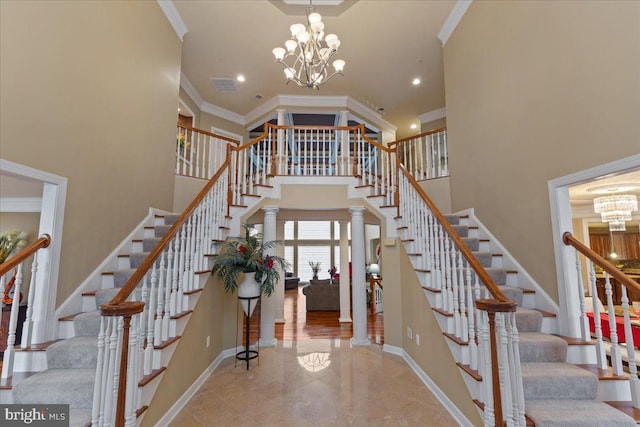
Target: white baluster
(634,382)
(616,355)
(473,347)
(504,373)
(27,327)
(132,374)
(584,321)
(98,384)
(151,325)
(487,382)
(9,356)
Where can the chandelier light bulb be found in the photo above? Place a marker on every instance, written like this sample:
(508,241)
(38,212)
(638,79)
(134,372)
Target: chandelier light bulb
(332,41)
(279,53)
(296,28)
(338,64)
(303,36)
(291,45)
(317,27)
(314,17)
(289,73)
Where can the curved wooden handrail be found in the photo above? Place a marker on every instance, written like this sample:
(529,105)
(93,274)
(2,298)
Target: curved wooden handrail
(25,253)
(146,265)
(614,272)
(473,262)
(204,132)
(420,135)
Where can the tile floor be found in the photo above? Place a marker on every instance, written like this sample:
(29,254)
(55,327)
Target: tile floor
(322,382)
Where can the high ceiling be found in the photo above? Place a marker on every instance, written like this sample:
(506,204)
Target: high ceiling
(385,43)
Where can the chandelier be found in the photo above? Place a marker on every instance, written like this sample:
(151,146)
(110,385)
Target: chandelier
(616,209)
(310,50)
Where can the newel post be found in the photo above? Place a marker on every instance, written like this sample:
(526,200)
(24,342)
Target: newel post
(125,309)
(492,307)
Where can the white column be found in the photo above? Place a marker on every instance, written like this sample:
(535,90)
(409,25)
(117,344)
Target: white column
(343,269)
(343,162)
(280,144)
(267,310)
(279,290)
(358,278)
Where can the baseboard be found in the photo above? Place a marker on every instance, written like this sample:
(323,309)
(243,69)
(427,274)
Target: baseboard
(392,349)
(191,391)
(433,387)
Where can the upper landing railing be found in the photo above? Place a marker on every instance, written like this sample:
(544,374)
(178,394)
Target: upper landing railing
(312,151)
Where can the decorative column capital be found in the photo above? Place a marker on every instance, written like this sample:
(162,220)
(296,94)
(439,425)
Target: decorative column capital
(357,210)
(270,210)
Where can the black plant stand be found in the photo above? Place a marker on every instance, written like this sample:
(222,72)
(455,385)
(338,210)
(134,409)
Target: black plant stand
(247,354)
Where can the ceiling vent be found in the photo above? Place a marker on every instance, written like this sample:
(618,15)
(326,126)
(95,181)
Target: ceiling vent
(224,84)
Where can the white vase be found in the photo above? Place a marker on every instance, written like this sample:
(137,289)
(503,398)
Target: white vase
(249,288)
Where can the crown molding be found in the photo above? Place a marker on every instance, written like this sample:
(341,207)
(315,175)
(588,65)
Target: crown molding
(453,20)
(20,204)
(433,115)
(191,90)
(343,102)
(207,107)
(174,18)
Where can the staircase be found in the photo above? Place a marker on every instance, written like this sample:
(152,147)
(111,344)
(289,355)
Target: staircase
(69,363)
(561,385)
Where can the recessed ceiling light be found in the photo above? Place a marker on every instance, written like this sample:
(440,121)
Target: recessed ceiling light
(416,81)
(240,78)
(414,126)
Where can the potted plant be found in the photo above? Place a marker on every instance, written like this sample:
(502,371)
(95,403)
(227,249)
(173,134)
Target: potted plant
(242,261)
(315,267)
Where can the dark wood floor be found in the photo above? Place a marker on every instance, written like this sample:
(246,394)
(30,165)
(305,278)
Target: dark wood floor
(301,324)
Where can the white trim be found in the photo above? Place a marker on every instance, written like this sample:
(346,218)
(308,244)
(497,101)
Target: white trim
(368,114)
(437,392)
(262,110)
(561,221)
(191,391)
(20,204)
(54,196)
(228,134)
(453,20)
(191,90)
(174,18)
(433,115)
(184,105)
(398,351)
(210,108)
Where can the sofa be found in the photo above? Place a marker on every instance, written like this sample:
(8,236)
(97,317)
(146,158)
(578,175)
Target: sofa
(322,295)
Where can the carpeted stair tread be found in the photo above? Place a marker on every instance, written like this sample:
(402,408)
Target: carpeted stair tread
(149,243)
(575,413)
(136,258)
(462,230)
(103,296)
(556,380)
(70,386)
(161,230)
(498,275)
(541,347)
(528,320)
(513,293)
(452,219)
(473,243)
(484,258)
(79,417)
(171,218)
(120,277)
(87,324)
(76,352)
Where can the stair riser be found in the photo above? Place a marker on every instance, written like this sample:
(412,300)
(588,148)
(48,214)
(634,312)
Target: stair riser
(30,361)
(446,323)
(65,329)
(460,353)
(435,299)
(161,357)
(581,354)
(6,397)
(613,390)
(474,386)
